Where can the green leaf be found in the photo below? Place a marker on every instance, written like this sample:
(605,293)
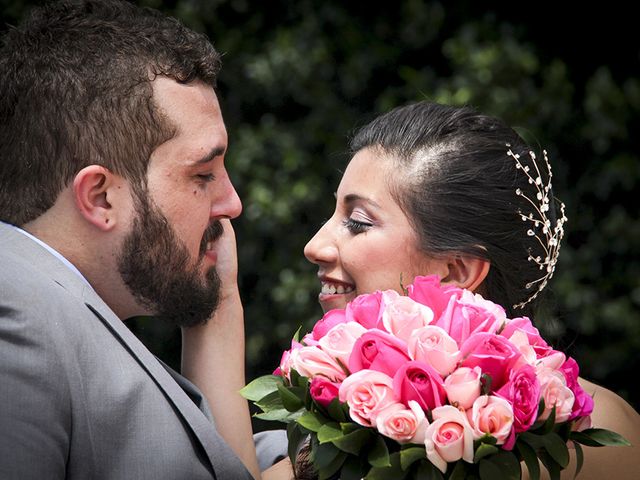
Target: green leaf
(354,441)
(261,387)
(324,454)
(379,453)
(459,471)
(393,471)
(483,450)
(408,456)
(557,448)
(328,471)
(579,458)
(291,397)
(600,437)
(329,432)
(294,377)
(530,459)
(272,401)
(295,437)
(348,427)
(296,336)
(428,471)
(551,465)
(490,471)
(312,421)
(506,462)
(338,411)
(353,469)
(280,415)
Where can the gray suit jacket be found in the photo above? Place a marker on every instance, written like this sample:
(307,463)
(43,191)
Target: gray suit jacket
(80,396)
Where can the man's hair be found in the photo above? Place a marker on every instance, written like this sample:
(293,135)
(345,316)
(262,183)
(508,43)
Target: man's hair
(75,90)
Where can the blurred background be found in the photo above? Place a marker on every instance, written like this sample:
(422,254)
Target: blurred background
(300,76)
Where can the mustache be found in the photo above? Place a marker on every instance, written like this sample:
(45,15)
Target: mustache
(213,232)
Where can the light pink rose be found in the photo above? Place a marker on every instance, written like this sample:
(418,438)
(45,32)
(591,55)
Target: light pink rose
(524,325)
(312,361)
(522,390)
(432,345)
(521,341)
(552,360)
(428,291)
(309,341)
(554,391)
(449,437)
(419,382)
(469,313)
(463,386)
(378,350)
(583,404)
(491,415)
(367,392)
(327,322)
(338,342)
(365,309)
(284,369)
(402,315)
(494,354)
(323,391)
(402,424)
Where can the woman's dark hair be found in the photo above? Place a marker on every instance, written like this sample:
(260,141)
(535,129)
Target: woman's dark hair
(75,90)
(457,184)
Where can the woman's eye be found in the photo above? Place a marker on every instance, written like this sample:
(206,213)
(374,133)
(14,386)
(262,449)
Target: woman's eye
(356,227)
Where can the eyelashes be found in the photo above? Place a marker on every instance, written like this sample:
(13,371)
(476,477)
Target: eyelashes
(356,227)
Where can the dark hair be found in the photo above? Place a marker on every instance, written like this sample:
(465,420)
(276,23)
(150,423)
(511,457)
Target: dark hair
(458,187)
(75,90)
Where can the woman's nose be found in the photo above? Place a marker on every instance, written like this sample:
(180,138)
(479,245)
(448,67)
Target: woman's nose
(321,248)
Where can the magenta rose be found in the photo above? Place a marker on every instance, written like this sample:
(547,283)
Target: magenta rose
(323,391)
(419,382)
(365,309)
(469,313)
(522,391)
(583,404)
(377,350)
(494,354)
(524,325)
(327,322)
(428,291)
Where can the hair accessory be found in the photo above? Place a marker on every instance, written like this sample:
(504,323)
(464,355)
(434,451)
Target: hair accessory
(549,236)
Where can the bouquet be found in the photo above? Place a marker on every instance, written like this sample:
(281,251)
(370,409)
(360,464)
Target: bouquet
(437,383)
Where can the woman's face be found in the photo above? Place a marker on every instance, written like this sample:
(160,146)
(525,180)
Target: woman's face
(368,244)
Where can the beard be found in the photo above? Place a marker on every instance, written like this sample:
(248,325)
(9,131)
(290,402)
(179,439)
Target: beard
(158,270)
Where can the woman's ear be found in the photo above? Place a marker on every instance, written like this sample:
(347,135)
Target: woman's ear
(467,272)
(92,189)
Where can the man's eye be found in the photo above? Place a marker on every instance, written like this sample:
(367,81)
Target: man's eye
(356,227)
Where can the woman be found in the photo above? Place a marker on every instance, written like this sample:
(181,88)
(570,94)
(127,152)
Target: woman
(433,189)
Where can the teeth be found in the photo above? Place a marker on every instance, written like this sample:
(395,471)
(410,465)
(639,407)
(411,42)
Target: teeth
(332,289)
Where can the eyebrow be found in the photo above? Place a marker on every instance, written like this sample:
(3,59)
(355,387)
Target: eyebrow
(352,198)
(215,152)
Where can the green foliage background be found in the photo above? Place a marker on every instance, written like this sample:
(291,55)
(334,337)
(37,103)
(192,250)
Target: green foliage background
(299,76)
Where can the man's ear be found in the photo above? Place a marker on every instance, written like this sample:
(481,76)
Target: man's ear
(93,189)
(467,272)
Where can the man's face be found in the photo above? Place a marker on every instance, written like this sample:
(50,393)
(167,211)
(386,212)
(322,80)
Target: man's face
(168,257)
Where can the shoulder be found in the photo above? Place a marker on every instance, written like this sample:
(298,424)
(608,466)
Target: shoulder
(610,410)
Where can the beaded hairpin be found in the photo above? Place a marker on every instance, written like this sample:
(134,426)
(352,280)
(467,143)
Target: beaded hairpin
(547,235)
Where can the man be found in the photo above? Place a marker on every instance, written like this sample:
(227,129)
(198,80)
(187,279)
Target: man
(113,202)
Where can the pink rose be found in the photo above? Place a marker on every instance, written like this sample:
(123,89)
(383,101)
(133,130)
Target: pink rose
(554,391)
(327,322)
(522,390)
(524,325)
(494,354)
(402,424)
(402,315)
(469,313)
(377,350)
(365,309)
(339,341)
(367,392)
(312,361)
(285,361)
(428,291)
(494,416)
(583,404)
(449,437)
(323,391)
(419,382)
(463,386)
(432,345)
